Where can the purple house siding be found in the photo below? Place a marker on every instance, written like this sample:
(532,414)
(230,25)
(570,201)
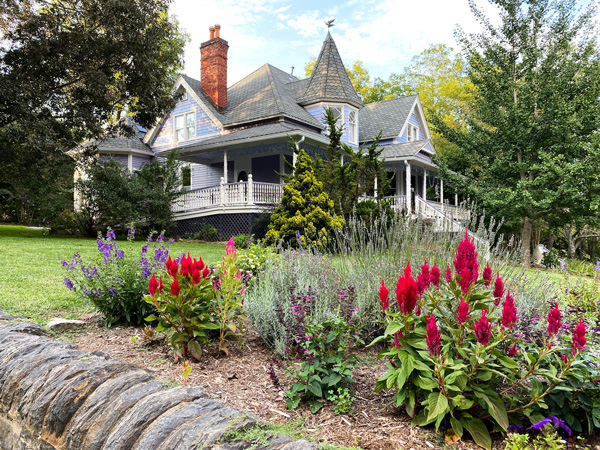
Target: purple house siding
(428,147)
(123,159)
(205,127)
(204,175)
(318,112)
(138,161)
(415,121)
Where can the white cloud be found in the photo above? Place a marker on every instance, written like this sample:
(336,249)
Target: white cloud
(307,24)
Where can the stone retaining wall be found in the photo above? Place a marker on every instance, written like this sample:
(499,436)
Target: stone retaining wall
(55,397)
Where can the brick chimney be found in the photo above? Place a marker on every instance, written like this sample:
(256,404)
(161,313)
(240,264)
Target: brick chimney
(213,67)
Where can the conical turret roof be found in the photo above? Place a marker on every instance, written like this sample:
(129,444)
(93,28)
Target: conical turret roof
(329,81)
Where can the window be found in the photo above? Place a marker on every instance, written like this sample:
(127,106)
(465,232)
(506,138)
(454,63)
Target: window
(412,133)
(186,177)
(352,128)
(338,113)
(185,127)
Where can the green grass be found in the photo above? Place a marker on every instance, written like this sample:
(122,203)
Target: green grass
(31,281)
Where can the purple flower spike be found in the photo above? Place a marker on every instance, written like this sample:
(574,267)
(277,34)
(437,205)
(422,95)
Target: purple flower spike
(555,421)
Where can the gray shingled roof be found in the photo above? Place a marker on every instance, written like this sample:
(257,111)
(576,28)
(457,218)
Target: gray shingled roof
(122,142)
(329,80)
(403,150)
(261,95)
(274,130)
(388,115)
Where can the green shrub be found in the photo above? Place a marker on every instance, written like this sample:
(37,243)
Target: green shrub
(242,241)
(304,216)
(551,260)
(253,260)
(116,282)
(207,233)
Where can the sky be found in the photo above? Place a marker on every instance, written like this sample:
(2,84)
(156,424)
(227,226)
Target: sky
(383,34)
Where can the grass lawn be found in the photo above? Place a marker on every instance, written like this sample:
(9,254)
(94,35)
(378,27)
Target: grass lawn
(31,284)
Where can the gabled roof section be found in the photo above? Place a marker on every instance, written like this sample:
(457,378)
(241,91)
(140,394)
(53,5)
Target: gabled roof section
(122,143)
(329,81)
(388,116)
(406,149)
(262,95)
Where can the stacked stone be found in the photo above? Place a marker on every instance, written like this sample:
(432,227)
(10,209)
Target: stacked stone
(55,397)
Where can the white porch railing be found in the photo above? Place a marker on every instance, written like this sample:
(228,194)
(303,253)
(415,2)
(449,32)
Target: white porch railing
(229,194)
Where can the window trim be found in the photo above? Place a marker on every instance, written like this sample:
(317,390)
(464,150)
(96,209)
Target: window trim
(412,130)
(185,127)
(353,137)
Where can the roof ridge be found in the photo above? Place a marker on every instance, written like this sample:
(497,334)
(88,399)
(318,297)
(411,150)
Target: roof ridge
(251,73)
(391,99)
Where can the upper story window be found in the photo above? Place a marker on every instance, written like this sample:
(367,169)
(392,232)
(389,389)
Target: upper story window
(185,127)
(338,113)
(412,133)
(353,127)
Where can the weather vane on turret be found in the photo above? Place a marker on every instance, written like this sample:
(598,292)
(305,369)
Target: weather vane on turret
(329,23)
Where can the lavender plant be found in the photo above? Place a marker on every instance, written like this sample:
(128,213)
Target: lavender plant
(116,281)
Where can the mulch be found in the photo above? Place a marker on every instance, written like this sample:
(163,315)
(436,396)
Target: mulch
(241,380)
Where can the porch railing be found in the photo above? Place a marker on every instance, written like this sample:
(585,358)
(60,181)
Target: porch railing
(229,194)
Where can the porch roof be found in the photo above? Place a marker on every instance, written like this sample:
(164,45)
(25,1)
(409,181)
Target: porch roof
(413,151)
(261,134)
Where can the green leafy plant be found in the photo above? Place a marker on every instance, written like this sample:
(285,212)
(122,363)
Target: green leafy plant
(207,232)
(342,400)
(116,281)
(242,240)
(253,260)
(321,351)
(455,356)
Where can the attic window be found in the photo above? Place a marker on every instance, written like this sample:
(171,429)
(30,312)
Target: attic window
(185,127)
(412,133)
(338,113)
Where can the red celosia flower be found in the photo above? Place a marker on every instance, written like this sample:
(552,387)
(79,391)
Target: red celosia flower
(483,330)
(498,290)
(448,274)
(396,339)
(463,312)
(185,265)
(435,276)
(579,339)
(384,296)
(175,287)
(172,268)
(406,291)
(433,337)
(195,276)
(152,285)
(465,280)
(487,275)
(160,285)
(466,257)
(509,312)
(553,321)
(205,272)
(198,265)
(424,278)
(513,350)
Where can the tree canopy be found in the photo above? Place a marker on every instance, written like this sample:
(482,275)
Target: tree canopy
(528,150)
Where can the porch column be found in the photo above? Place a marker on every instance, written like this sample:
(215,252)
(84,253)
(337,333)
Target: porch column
(250,190)
(424,183)
(442,193)
(455,199)
(294,158)
(375,187)
(225,165)
(222,191)
(408,189)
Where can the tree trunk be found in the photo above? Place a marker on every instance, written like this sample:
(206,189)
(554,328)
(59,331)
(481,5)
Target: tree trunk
(550,243)
(526,238)
(571,244)
(592,242)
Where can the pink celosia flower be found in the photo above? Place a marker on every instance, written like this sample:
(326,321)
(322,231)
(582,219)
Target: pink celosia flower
(435,276)
(487,275)
(463,312)
(448,274)
(483,329)
(384,296)
(406,291)
(433,337)
(579,339)
(230,250)
(206,272)
(553,321)
(509,312)
(465,280)
(498,290)
(397,334)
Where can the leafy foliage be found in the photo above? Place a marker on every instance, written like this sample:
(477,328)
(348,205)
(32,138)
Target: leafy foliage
(116,282)
(304,216)
(324,349)
(530,150)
